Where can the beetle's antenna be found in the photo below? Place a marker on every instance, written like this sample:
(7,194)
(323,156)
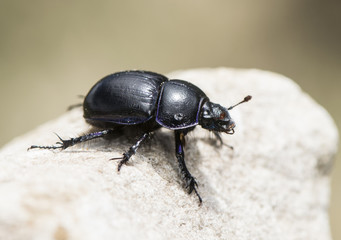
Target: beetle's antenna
(246,99)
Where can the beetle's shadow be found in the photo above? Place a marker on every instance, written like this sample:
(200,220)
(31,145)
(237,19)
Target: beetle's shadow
(166,143)
(158,147)
(169,170)
(159,151)
(164,163)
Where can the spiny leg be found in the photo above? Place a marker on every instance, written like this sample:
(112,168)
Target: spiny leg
(132,150)
(74,106)
(186,176)
(63,144)
(218,137)
(220,140)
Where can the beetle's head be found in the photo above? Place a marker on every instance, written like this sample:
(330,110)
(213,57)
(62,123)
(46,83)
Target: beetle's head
(216,118)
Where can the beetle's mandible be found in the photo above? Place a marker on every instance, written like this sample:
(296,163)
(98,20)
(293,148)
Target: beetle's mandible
(147,101)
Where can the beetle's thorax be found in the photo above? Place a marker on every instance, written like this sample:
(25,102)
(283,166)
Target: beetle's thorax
(215,117)
(179,105)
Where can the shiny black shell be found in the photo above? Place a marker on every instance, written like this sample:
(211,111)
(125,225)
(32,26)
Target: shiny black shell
(124,98)
(179,104)
(137,97)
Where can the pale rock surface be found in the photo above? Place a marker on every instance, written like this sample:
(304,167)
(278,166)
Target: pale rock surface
(273,185)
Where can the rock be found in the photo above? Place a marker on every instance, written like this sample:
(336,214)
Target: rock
(273,185)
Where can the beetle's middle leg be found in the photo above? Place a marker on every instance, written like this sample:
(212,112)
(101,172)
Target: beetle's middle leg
(132,150)
(189,180)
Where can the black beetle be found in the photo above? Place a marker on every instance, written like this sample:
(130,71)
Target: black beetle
(148,101)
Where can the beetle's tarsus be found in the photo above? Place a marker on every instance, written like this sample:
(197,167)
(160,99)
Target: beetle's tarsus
(123,160)
(196,193)
(43,147)
(192,185)
(132,150)
(64,144)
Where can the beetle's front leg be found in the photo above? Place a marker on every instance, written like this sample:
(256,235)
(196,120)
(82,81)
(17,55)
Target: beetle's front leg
(189,180)
(220,140)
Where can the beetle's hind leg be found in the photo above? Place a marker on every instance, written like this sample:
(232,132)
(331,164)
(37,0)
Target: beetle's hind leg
(132,150)
(73,106)
(63,144)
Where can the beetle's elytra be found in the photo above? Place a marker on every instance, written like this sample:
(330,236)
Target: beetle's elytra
(147,101)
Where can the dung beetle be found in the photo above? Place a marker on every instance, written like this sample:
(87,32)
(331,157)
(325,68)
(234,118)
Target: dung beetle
(148,101)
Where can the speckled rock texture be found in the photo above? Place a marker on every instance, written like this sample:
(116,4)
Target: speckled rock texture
(274,184)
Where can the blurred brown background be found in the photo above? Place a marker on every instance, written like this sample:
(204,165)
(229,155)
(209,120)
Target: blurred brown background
(50,51)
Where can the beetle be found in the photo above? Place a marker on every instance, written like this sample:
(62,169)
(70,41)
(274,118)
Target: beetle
(148,101)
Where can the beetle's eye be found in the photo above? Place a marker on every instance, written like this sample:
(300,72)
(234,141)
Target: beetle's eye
(222,116)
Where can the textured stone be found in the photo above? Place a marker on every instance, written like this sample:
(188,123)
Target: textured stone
(273,185)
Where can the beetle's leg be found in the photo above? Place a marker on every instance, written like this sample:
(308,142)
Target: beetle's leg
(218,137)
(74,106)
(77,104)
(63,144)
(220,140)
(190,182)
(132,150)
